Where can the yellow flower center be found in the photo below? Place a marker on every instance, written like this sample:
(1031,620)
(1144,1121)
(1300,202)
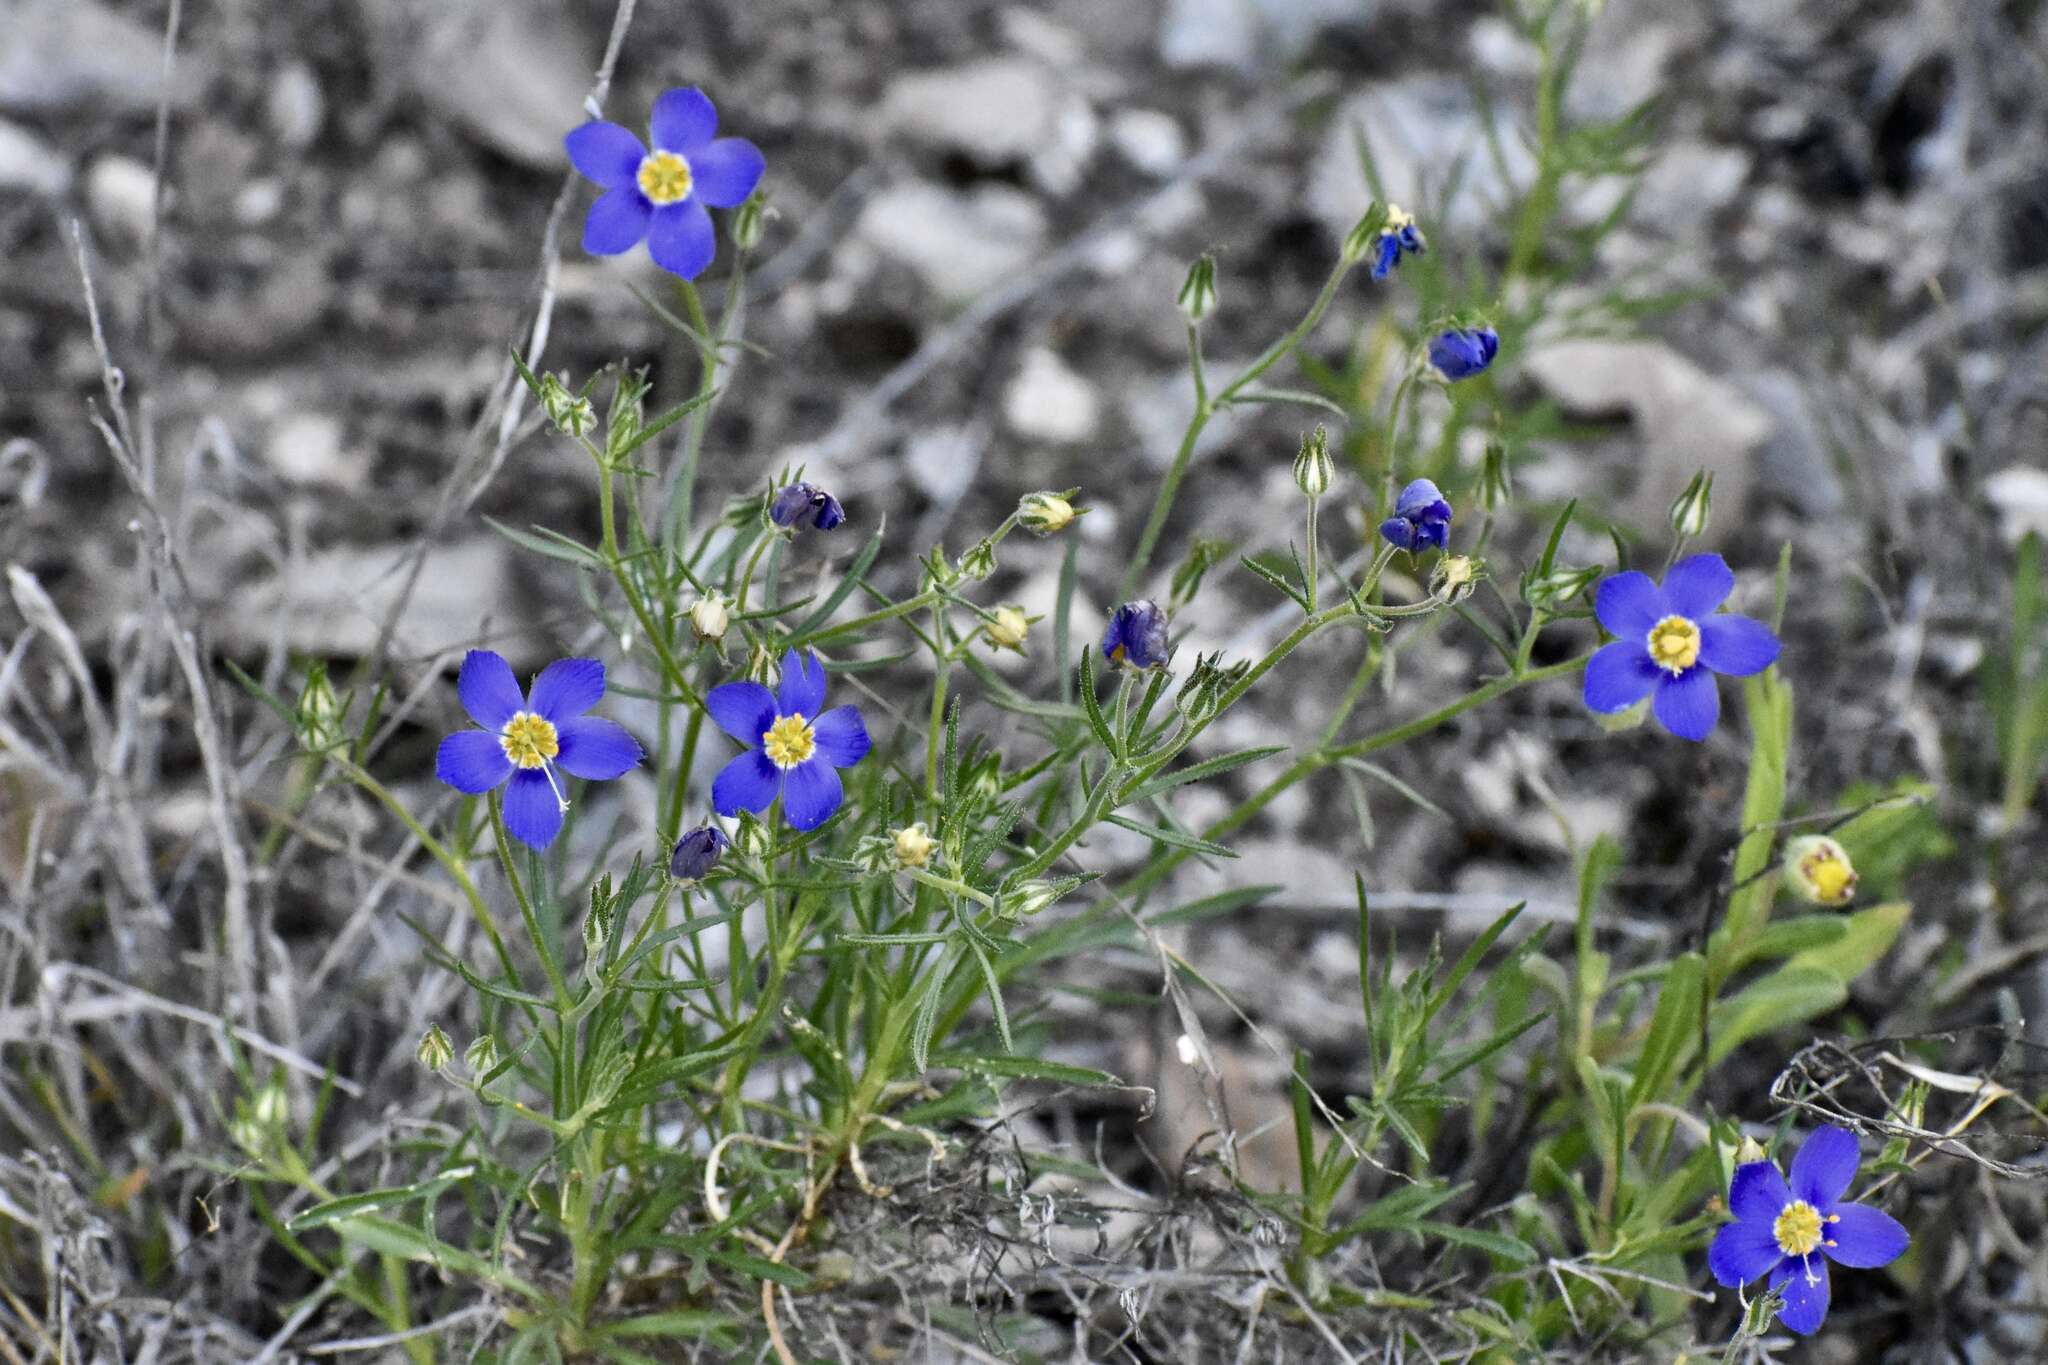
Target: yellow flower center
(1832,878)
(530,741)
(1797,1228)
(789,741)
(665,178)
(1675,644)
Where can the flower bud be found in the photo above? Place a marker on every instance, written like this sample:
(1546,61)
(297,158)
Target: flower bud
(1136,636)
(1198,294)
(696,853)
(1818,870)
(914,845)
(1689,511)
(749,221)
(1461,352)
(270,1106)
(480,1056)
(1556,590)
(1749,1151)
(318,711)
(1201,696)
(1421,520)
(799,505)
(1026,900)
(1008,629)
(597,929)
(568,413)
(1397,235)
(709,618)
(1364,238)
(1045,514)
(1496,483)
(434,1051)
(1313,468)
(1454,577)
(1628,718)
(979,562)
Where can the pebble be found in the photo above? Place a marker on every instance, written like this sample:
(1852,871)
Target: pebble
(995,112)
(2019,496)
(512,74)
(65,54)
(295,106)
(28,163)
(1150,140)
(120,195)
(1049,402)
(1418,129)
(960,244)
(306,448)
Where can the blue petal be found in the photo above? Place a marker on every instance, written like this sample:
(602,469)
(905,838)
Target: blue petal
(596,749)
(681,240)
(725,173)
(1825,1165)
(1420,499)
(810,793)
(1737,645)
(472,761)
(1805,1282)
(683,120)
(1618,676)
(1628,604)
(565,688)
(1758,1194)
(1689,704)
(1389,253)
(617,221)
(1434,532)
(749,782)
(1399,532)
(743,710)
(1698,584)
(1741,1251)
(1864,1237)
(605,152)
(803,685)
(488,690)
(842,736)
(533,813)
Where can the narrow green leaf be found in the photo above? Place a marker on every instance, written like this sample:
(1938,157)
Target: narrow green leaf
(1026,1068)
(1674,1028)
(1790,995)
(1209,768)
(1170,837)
(855,574)
(548,543)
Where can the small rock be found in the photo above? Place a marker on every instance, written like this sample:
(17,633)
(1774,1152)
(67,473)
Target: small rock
(1049,402)
(995,112)
(1418,129)
(511,73)
(960,244)
(1686,420)
(942,461)
(120,194)
(259,201)
(1150,140)
(295,106)
(337,600)
(2019,495)
(27,163)
(1246,34)
(306,448)
(1158,412)
(61,54)
(1689,182)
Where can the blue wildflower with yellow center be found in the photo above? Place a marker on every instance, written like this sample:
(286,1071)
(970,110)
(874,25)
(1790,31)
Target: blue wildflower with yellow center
(794,745)
(1670,643)
(528,741)
(1461,352)
(1421,520)
(1791,1231)
(1136,635)
(663,194)
(1399,235)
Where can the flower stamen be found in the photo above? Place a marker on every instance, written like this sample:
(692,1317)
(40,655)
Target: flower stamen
(1797,1228)
(1674,644)
(789,742)
(530,740)
(665,178)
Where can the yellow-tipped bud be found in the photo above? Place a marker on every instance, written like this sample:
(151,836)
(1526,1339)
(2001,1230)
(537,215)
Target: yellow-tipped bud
(914,845)
(1818,870)
(1008,628)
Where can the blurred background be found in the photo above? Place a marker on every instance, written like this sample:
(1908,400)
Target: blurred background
(1799,244)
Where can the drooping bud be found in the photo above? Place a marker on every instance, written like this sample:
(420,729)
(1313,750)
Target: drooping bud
(914,845)
(696,853)
(1136,636)
(709,617)
(1397,236)
(1749,1151)
(979,562)
(1689,511)
(749,221)
(1313,468)
(799,505)
(1461,352)
(1421,520)
(481,1056)
(568,413)
(1818,870)
(1496,483)
(1045,514)
(1364,238)
(1198,293)
(1008,628)
(434,1051)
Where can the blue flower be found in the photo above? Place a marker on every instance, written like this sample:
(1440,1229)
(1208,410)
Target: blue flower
(661,195)
(696,853)
(1400,234)
(1421,520)
(1793,1231)
(532,740)
(1671,644)
(1136,636)
(1463,352)
(793,745)
(799,505)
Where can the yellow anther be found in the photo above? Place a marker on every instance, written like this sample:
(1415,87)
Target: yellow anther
(789,741)
(530,741)
(665,178)
(1797,1228)
(1675,644)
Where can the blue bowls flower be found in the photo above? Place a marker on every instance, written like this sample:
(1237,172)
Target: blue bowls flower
(663,195)
(1136,636)
(1421,520)
(798,505)
(1463,352)
(1670,644)
(793,745)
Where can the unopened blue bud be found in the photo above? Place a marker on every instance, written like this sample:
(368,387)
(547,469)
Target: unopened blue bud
(1136,636)
(1462,352)
(1421,520)
(697,853)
